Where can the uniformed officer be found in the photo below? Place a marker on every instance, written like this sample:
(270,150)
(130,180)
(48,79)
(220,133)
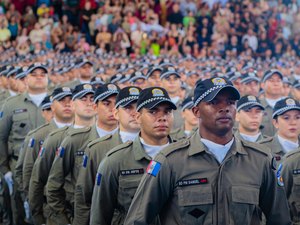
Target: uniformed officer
(120,172)
(286,119)
(250,84)
(190,121)
(69,158)
(62,116)
(153,76)
(296,90)
(128,129)
(18,174)
(84,73)
(40,172)
(273,91)
(5,206)
(19,115)
(291,177)
(170,80)
(249,117)
(212,177)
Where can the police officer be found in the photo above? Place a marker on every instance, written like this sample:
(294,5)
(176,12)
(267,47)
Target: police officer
(273,91)
(19,115)
(153,76)
(296,90)
(62,116)
(249,117)
(120,172)
(250,84)
(40,172)
(69,158)
(286,119)
(128,129)
(212,177)
(190,121)
(291,177)
(170,80)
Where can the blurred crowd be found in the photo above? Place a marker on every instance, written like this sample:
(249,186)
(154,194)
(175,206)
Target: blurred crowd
(260,29)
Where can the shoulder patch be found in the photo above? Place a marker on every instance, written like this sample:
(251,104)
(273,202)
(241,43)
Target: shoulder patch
(153,168)
(106,137)
(119,147)
(85,161)
(31,142)
(1,114)
(175,146)
(60,152)
(80,131)
(256,147)
(58,130)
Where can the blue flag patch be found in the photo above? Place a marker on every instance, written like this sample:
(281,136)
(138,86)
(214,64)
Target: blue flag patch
(1,114)
(279,177)
(31,143)
(153,168)
(85,160)
(61,152)
(98,179)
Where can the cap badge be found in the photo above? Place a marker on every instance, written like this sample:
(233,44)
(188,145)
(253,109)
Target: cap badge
(157,92)
(290,102)
(171,69)
(66,89)
(134,91)
(112,87)
(218,81)
(251,98)
(87,86)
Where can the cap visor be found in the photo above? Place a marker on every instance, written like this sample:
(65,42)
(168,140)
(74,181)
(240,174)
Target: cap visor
(280,112)
(81,95)
(104,96)
(60,97)
(155,103)
(250,106)
(126,103)
(234,93)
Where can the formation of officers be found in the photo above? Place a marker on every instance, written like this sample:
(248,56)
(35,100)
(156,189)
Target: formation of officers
(147,148)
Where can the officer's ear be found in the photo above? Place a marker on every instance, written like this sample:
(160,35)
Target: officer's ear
(196,110)
(275,123)
(116,114)
(138,116)
(237,117)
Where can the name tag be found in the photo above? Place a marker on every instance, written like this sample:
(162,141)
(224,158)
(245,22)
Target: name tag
(17,111)
(132,172)
(183,183)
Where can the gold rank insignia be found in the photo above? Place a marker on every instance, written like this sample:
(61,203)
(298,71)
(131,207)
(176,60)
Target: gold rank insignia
(157,92)
(218,81)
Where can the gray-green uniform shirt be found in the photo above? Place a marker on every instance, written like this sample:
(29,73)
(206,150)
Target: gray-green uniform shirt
(32,150)
(94,153)
(40,173)
(19,115)
(118,177)
(291,179)
(185,184)
(67,162)
(267,124)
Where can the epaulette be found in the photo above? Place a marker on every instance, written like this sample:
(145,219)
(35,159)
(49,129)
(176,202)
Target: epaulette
(266,139)
(255,146)
(106,137)
(297,151)
(58,130)
(42,126)
(10,98)
(31,132)
(175,146)
(175,131)
(119,147)
(80,131)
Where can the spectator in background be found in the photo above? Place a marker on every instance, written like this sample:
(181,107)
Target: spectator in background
(176,16)
(86,15)
(13,27)
(36,35)
(4,32)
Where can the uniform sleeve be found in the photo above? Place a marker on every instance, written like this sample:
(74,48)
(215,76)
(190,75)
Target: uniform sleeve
(153,192)
(38,180)
(273,200)
(5,128)
(19,166)
(56,180)
(84,191)
(104,200)
(29,159)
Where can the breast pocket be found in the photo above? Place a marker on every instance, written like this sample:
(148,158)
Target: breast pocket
(21,125)
(196,205)
(127,189)
(294,200)
(244,204)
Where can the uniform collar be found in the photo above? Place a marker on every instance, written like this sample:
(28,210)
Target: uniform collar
(197,146)
(264,103)
(276,146)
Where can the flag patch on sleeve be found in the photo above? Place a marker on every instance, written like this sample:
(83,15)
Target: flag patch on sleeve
(31,143)
(61,152)
(153,168)
(98,179)
(85,160)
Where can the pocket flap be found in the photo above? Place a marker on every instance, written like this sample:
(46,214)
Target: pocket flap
(188,196)
(245,194)
(125,183)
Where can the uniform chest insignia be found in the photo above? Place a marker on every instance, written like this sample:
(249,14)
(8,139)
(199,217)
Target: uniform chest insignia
(132,172)
(85,160)
(191,182)
(296,171)
(17,111)
(279,177)
(41,152)
(79,153)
